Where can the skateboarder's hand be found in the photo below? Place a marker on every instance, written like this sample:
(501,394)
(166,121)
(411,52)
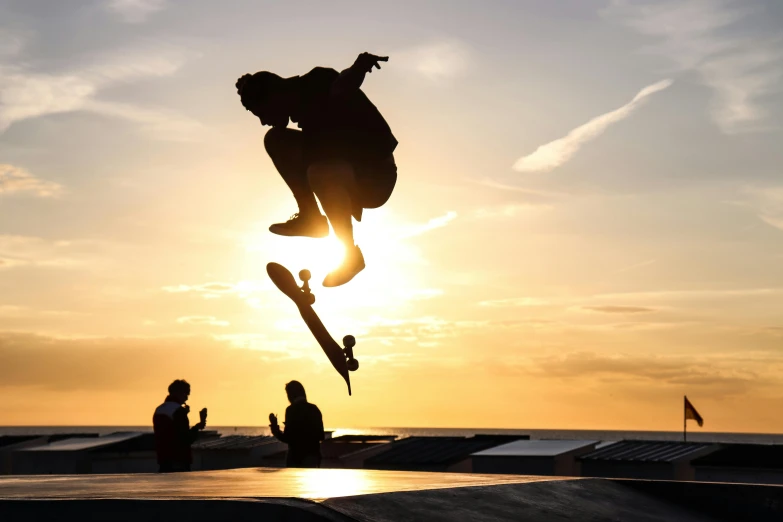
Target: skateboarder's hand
(273,419)
(366,61)
(203,415)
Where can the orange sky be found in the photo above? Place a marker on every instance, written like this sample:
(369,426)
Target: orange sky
(588,222)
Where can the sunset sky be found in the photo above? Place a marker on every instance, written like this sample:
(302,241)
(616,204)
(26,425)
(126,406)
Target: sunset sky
(587,225)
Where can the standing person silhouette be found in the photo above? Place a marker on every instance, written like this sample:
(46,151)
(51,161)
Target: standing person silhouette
(343,154)
(304,429)
(173,434)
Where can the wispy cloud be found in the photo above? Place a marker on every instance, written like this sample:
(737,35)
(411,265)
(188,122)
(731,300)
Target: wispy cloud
(10,43)
(123,363)
(436,61)
(486,182)
(432,224)
(629,302)
(216,289)
(667,295)
(768,204)
(609,309)
(508,211)
(713,375)
(634,266)
(555,153)
(202,320)
(135,11)
(15,180)
(515,302)
(704,36)
(18,251)
(27,93)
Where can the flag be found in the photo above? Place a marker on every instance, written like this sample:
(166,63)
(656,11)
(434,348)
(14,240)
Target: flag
(691,413)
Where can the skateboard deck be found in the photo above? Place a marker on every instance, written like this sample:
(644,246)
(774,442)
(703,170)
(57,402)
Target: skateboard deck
(341,358)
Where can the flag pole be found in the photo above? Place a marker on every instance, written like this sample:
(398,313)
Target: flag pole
(684,422)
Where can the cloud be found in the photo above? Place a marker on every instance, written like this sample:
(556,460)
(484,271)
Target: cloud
(17,251)
(634,266)
(10,43)
(514,302)
(420,294)
(713,375)
(508,211)
(217,289)
(202,320)
(107,364)
(436,61)
(432,224)
(653,296)
(135,11)
(704,36)
(767,203)
(709,294)
(555,153)
(619,309)
(26,93)
(513,188)
(17,180)
(16,312)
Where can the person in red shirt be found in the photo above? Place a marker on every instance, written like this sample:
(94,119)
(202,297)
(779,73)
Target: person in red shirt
(173,434)
(343,154)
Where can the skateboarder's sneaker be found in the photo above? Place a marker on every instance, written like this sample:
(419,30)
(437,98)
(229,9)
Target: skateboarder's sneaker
(352,265)
(303,226)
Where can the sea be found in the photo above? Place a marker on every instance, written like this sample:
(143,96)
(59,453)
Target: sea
(535,434)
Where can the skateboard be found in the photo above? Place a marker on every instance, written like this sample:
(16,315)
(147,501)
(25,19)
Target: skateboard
(341,358)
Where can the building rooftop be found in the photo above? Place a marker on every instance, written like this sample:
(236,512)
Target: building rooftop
(536,448)
(422,451)
(648,451)
(760,456)
(339,447)
(363,438)
(85,443)
(10,440)
(233,442)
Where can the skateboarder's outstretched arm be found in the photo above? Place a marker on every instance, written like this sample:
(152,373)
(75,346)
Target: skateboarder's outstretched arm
(350,80)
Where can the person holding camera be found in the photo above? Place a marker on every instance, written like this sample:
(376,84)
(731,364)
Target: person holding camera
(173,434)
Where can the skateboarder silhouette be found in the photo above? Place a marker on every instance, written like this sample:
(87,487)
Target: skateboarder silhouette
(343,154)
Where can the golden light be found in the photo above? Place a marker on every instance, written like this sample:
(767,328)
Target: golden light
(327,483)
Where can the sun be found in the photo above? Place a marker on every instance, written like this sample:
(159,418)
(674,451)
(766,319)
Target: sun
(319,256)
(392,276)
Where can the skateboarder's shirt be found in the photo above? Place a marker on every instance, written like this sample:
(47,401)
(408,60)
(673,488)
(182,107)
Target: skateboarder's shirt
(347,127)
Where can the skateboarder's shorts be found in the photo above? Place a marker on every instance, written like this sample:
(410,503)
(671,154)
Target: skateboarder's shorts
(375,181)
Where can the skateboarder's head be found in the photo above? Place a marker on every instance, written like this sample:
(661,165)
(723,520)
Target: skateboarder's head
(265,95)
(179,390)
(295,390)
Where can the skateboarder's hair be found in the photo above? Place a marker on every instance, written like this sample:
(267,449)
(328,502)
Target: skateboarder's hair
(295,389)
(180,385)
(256,87)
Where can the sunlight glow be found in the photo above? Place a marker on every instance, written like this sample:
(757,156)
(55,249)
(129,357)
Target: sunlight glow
(329,483)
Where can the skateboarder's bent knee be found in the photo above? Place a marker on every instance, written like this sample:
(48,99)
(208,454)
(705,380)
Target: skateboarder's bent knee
(279,141)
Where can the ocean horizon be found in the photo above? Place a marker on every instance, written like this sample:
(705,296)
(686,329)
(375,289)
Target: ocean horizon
(535,434)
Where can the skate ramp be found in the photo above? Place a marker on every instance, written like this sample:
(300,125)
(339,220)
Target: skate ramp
(377,496)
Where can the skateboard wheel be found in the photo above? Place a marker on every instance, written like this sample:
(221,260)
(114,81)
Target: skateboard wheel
(310,299)
(353,365)
(304,275)
(349,341)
